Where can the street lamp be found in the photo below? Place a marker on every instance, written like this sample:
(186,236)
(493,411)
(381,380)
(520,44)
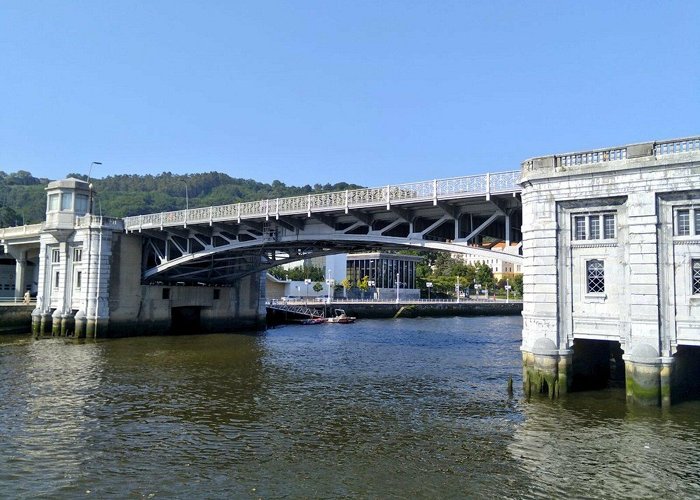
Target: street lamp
(90,185)
(507,287)
(307,282)
(371,284)
(331,282)
(429,286)
(397,288)
(457,288)
(477,287)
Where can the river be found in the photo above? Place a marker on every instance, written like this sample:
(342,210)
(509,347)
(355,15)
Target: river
(406,408)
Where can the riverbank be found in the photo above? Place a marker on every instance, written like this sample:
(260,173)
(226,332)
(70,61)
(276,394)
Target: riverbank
(378,310)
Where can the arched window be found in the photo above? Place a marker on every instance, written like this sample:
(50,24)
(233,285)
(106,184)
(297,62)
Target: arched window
(595,276)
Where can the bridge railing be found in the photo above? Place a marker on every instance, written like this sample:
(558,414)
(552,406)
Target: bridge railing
(28,230)
(98,221)
(501,182)
(660,148)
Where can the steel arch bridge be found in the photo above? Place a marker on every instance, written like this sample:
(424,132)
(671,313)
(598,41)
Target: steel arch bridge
(219,244)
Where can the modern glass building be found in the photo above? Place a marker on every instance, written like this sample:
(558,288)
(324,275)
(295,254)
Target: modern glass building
(384,269)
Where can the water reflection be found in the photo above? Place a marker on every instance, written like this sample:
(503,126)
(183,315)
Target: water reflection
(593,445)
(48,395)
(392,408)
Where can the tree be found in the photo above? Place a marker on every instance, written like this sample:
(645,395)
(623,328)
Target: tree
(517,284)
(484,276)
(363,284)
(347,285)
(8,217)
(318,287)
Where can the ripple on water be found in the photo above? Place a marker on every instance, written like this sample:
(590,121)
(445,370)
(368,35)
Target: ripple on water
(394,408)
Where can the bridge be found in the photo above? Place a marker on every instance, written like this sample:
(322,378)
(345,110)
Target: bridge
(222,243)
(204,266)
(610,242)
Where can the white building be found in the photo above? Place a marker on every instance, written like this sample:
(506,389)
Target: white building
(611,242)
(500,268)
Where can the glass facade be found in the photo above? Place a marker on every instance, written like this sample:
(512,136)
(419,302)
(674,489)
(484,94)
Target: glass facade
(383,269)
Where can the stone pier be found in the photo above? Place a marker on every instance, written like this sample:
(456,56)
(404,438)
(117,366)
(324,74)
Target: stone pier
(611,241)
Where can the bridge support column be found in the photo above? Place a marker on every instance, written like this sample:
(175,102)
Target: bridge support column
(20,274)
(547,372)
(56,323)
(80,325)
(648,381)
(41,322)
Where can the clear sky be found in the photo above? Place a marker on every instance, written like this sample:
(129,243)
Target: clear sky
(370,92)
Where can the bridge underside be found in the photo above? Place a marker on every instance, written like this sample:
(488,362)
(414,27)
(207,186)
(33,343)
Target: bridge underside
(223,251)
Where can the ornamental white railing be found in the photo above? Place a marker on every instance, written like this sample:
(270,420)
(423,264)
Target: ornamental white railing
(19,231)
(677,146)
(620,153)
(473,185)
(98,221)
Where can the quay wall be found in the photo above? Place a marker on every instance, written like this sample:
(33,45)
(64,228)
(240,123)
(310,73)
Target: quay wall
(367,310)
(16,318)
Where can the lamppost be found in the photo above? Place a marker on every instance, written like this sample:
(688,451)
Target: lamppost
(457,288)
(397,288)
(477,287)
(307,282)
(331,282)
(371,284)
(507,287)
(429,286)
(90,185)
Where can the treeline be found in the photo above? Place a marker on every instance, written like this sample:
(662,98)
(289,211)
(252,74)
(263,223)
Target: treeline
(23,199)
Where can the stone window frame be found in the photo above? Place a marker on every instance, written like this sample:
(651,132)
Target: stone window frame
(686,221)
(695,277)
(55,255)
(598,231)
(77,254)
(595,277)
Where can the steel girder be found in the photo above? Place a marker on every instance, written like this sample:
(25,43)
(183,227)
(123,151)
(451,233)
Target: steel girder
(223,251)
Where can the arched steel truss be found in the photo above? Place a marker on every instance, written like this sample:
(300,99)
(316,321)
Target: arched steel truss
(198,246)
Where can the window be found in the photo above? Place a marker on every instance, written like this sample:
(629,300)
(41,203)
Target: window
(166,293)
(55,255)
(53,202)
(594,227)
(683,222)
(66,201)
(595,276)
(77,254)
(608,226)
(217,294)
(81,203)
(695,269)
(78,279)
(579,228)
(56,279)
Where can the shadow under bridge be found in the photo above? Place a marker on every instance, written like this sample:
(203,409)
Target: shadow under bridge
(219,244)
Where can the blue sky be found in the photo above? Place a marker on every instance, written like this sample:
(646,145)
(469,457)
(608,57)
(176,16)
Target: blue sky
(370,92)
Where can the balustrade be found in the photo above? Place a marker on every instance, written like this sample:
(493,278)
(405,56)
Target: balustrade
(414,191)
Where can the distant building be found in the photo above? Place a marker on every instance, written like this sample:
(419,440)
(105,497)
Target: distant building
(384,269)
(501,269)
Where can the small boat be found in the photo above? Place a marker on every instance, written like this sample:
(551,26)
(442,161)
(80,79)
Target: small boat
(312,321)
(341,317)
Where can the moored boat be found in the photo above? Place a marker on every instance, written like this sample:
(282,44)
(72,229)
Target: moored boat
(341,317)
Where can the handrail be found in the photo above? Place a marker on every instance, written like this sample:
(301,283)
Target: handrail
(26,230)
(657,148)
(483,184)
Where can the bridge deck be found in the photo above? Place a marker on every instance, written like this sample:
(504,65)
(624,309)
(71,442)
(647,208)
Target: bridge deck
(433,190)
